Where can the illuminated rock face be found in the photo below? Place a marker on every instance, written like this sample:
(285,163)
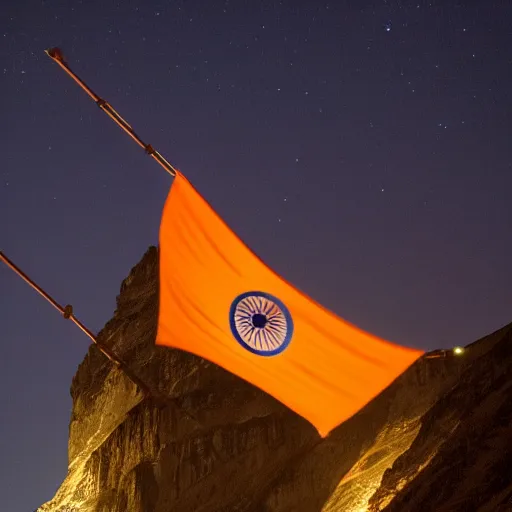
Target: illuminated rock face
(461,458)
(208,441)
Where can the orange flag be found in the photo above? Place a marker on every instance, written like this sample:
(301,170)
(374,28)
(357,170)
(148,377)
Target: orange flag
(218,300)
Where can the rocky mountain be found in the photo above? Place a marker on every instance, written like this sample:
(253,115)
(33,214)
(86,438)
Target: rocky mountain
(438,439)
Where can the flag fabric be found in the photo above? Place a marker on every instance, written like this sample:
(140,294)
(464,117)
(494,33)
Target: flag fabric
(218,300)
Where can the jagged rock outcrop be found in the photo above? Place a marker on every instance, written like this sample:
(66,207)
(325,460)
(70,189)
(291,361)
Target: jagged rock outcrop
(205,440)
(461,458)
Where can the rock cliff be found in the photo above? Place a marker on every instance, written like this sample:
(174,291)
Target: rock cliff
(437,439)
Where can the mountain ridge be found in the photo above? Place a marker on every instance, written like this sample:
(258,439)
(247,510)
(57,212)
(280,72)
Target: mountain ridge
(208,441)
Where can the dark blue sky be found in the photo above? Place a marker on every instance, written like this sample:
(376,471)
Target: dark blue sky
(362,149)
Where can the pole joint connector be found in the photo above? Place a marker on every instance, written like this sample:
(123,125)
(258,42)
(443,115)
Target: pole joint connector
(68,312)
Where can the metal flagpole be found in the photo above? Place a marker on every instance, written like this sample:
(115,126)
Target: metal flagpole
(56,55)
(67,312)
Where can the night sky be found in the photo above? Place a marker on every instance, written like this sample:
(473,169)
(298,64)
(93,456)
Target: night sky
(362,149)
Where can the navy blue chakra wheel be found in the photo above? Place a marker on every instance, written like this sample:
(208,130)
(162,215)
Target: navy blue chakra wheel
(261,323)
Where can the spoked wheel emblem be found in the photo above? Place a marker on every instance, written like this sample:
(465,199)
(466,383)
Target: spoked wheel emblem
(261,323)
